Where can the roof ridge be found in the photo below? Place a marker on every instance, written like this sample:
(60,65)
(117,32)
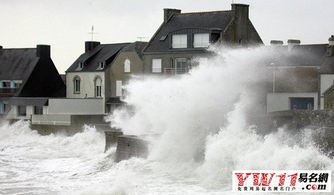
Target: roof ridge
(205,12)
(17,48)
(116,43)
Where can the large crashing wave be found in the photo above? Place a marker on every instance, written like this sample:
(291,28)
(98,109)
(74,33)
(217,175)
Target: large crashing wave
(208,111)
(198,126)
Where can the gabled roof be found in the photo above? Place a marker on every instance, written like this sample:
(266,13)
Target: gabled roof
(102,53)
(300,55)
(137,47)
(17,64)
(214,20)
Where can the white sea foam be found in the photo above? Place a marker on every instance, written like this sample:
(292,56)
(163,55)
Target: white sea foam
(204,112)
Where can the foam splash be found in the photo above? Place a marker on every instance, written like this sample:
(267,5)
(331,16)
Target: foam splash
(207,111)
(204,113)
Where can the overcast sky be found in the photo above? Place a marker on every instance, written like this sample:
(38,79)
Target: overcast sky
(64,24)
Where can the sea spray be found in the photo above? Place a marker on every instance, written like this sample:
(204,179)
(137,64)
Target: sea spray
(208,111)
(184,110)
(205,112)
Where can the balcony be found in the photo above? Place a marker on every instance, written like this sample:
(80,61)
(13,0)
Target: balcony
(7,92)
(174,71)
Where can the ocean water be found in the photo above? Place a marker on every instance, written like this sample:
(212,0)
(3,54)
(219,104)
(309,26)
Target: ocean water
(199,131)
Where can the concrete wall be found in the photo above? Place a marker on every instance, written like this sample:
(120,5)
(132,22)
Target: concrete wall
(326,80)
(83,106)
(87,84)
(51,119)
(281,101)
(130,146)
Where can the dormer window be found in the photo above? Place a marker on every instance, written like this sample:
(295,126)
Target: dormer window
(80,66)
(101,65)
(201,40)
(179,41)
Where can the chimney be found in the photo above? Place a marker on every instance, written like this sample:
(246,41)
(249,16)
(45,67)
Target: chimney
(276,43)
(90,45)
(292,43)
(241,13)
(240,10)
(43,51)
(168,13)
(331,41)
(330,47)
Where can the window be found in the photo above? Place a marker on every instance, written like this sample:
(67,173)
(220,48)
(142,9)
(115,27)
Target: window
(80,66)
(119,88)
(6,84)
(21,110)
(156,65)
(38,110)
(101,65)
(2,107)
(181,65)
(98,87)
(179,41)
(76,84)
(301,103)
(127,65)
(201,40)
(17,84)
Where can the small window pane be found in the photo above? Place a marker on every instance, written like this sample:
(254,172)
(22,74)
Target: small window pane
(6,84)
(76,85)
(38,110)
(22,110)
(156,65)
(127,65)
(119,88)
(98,87)
(179,41)
(2,107)
(201,40)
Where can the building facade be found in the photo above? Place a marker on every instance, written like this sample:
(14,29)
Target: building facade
(301,76)
(27,77)
(185,36)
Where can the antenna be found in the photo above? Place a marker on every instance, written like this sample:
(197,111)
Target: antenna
(92,33)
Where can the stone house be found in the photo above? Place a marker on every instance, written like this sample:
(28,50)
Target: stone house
(27,77)
(94,83)
(185,36)
(301,74)
(326,72)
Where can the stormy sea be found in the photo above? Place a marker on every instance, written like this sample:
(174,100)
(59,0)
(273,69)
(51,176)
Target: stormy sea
(199,126)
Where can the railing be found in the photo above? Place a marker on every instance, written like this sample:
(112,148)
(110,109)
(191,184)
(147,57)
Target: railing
(173,71)
(8,91)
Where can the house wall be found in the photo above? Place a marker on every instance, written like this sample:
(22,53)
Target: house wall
(168,59)
(13,113)
(281,101)
(296,79)
(87,84)
(326,80)
(116,71)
